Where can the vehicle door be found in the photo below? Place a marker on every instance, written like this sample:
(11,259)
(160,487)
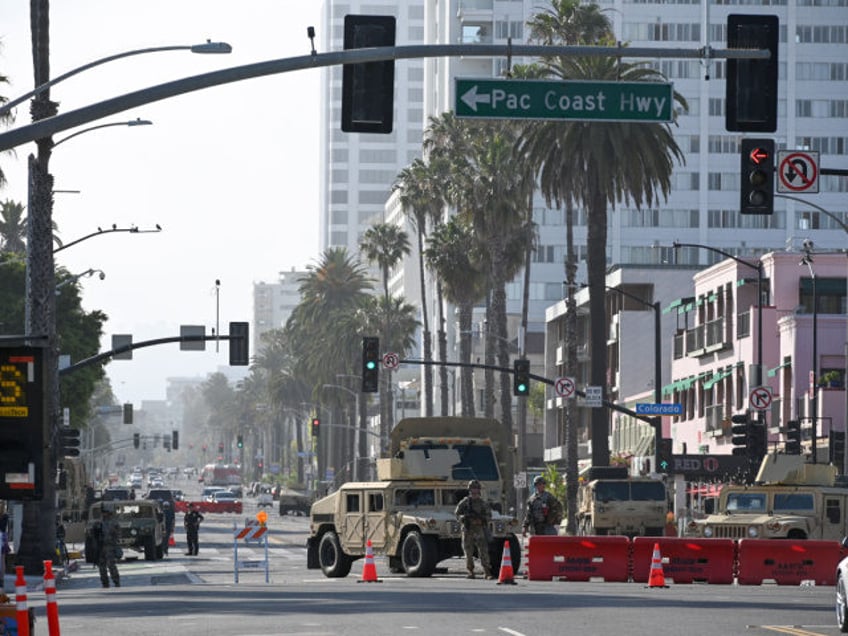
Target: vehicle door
(375,519)
(833,517)
(351,530)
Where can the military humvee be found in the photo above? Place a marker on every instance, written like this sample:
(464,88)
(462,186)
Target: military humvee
(611,502)
(408,515)
(790,499)
(141,522)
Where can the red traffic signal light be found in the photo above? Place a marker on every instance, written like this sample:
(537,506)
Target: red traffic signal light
(316,426)
(756,175)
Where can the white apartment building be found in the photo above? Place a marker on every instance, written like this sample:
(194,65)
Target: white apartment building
(273,303)
(703,205)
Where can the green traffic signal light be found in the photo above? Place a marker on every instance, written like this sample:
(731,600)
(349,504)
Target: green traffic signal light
(240,441)
(521,377)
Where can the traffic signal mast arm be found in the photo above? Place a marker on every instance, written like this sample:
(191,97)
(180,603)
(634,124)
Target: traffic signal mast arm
(71,119)
(539,378)
(138,345)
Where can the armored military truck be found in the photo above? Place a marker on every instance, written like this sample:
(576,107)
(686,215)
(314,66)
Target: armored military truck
(141,522)
(408,514)
(789,499)
(609,502)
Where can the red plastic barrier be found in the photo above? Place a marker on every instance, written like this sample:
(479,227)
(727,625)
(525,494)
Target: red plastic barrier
(210,507)
(578,558)
(686,560)
(787,561)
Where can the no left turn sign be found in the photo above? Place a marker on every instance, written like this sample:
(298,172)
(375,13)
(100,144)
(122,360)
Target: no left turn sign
(798,171)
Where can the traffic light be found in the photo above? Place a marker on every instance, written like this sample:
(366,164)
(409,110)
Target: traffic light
(793,437)
(316,426)
(756,176)
(128,413)
(239,345)
(175,440)
(240,441)
(521,377)
(370,364)
(665,455)
(756,443)
(70,440)
(368,88)
(751,86)
(740,428)
(136,440)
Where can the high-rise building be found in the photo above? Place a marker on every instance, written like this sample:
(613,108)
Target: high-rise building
(703,203)
(273,303)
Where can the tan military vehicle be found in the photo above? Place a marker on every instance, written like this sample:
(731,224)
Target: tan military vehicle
(141,522)
(609,502)
(408,515)
(72,498)
(790,499)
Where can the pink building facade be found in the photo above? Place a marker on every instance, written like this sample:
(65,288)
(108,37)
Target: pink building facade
(715,352)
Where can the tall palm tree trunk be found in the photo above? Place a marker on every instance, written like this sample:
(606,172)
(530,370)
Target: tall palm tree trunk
(466,375)
(443,351)
(426,342)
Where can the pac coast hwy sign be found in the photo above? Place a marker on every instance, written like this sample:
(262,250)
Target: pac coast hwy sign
(565,100)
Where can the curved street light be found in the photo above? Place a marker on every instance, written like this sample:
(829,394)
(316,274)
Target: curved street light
(807,260)
(206,47)
(132,122)
(132,230)
(87,273)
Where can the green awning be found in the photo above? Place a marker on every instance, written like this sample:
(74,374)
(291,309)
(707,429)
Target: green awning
(674,303)
(712,298)
(718,376)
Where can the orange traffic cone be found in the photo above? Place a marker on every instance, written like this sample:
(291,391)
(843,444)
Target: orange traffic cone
(172,542)
(656,578)
(369,570)
(506,576)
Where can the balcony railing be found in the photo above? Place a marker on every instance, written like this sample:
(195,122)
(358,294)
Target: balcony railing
(475,5)
(679,349)
(695,340)
(714,330)
(714,419)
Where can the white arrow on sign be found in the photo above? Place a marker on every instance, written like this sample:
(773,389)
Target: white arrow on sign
(471,98)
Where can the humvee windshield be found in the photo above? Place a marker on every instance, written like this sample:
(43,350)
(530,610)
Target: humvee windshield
(747,501)
(606,491)
(475,462)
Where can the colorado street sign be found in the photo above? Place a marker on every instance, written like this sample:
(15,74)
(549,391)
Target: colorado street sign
(659,409)
(564,100)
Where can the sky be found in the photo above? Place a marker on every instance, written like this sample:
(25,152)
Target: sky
(230,173)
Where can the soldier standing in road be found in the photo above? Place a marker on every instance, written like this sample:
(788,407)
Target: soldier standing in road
(106,533)
(474,513)
(191,521)
(544,511)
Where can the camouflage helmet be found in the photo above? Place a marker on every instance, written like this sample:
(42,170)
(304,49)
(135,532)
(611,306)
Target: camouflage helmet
(474,484)
(538,479)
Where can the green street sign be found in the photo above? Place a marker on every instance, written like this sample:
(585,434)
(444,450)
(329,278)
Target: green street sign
(564,100)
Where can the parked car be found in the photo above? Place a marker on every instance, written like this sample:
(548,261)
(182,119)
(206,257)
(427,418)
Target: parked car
(294,501)
(842,592)
(224,496)
(208,491)
(160,495)
(265,496)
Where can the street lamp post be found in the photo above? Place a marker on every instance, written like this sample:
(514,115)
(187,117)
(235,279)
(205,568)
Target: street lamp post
(657,421)
(38,535)
(206,47)
(814,397)
(132,122)
(356,464)
(758,376)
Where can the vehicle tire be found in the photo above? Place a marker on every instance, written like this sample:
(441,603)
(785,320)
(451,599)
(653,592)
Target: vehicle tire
(418,555)
(334,562)
(842,605)
(150,549)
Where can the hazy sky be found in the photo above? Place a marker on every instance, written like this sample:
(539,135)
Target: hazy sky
(230,173)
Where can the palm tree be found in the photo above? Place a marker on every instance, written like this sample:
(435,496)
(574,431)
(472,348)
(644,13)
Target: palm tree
(324,330)
(13,228)
(385,244)
(421,188)
(464,284)
(599,164)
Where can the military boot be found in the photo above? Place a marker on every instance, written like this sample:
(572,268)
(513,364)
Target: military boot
(470,574)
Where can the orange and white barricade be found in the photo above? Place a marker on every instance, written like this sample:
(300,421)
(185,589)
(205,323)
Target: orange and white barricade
(256,532)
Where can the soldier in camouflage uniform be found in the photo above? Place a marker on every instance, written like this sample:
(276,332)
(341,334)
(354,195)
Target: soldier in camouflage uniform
(106,533)
(474,513)
(544,511)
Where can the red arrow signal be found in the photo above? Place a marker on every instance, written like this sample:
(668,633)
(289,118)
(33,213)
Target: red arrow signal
(758,155)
